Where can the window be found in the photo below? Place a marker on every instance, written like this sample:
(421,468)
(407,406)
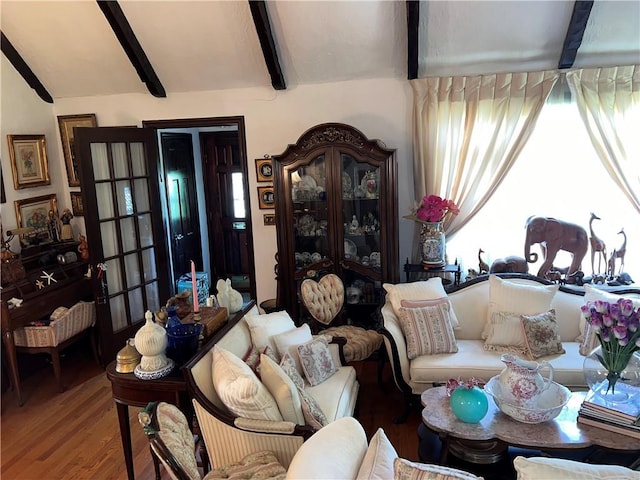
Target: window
(558,174)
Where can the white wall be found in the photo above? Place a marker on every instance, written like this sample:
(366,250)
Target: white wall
(22,112)
(273,119)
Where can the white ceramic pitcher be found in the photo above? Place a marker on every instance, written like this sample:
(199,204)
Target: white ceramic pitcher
(521,382)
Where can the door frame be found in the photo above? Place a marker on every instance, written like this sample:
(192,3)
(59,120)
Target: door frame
(238,122)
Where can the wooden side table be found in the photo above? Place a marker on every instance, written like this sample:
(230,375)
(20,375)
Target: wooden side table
(129,390)
(417,271)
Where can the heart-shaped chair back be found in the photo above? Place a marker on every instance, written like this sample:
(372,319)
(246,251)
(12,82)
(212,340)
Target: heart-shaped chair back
(323,299)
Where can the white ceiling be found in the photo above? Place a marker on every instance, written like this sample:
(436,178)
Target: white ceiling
(212,45)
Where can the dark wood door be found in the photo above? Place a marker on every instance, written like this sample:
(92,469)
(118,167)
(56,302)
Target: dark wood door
(120,174)
(227,209)
(182,201)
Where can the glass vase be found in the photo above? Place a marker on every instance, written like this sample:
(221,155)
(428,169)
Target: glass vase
(613,387)
(432,244)
(469,405)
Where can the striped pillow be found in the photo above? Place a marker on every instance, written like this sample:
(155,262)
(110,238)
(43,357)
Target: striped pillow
(428,328)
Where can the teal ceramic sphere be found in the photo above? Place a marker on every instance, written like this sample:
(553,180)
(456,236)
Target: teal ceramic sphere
(470,405)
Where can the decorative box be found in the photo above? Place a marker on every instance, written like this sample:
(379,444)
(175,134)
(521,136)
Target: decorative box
(202,284)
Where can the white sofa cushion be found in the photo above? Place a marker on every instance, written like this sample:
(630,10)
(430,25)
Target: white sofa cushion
(287,342)
(512,297)
(431,289)
(311,411)
(239,388)
(504,333)
(336,396)
(406,470)
(282,389)
(263,327)
(535,468)
(378,460)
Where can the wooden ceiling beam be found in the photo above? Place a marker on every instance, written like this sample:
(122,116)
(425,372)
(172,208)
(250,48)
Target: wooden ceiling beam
(413,37)
(138,58)
(575,32)
(267,43)
(23,69)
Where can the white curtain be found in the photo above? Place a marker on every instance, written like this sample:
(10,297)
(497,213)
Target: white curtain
(468,131)
(609,103)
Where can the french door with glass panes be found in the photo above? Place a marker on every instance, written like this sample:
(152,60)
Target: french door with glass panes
(120,175)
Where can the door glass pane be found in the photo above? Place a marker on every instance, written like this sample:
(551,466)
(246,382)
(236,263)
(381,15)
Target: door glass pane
(120,164)
(125,200)
(109,239)
(152,296)
(146,233)
(114,276)
(128,230)
(136,305)
(99,161)
(137,159)
(131,270)
(118,312)
(105,203)
(239,210)
(149,264)
(142,195)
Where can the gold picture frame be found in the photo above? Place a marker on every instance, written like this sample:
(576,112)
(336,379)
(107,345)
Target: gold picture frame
(34,212)
(264,169)
(266,198)
(29,164)
(77,206)
(67,123)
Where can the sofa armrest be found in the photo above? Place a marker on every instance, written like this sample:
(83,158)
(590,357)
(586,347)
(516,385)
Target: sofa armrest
(396,346)
(264,426)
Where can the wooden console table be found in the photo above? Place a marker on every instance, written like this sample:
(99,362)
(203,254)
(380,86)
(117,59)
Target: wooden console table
(417,271)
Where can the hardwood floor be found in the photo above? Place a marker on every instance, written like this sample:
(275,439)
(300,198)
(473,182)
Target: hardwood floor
(75,434)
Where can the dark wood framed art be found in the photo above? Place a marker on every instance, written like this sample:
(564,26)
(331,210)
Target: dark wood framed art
(67,123)
(266,198)
(76,204)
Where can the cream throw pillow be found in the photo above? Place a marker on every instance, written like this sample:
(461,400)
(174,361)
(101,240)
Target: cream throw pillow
(282,389)
(406,470)
(431,289)
(505,334)
(239,388)
(536,468)
(378,459)
(263,327)
(428,329)
(288,342)
(512,297)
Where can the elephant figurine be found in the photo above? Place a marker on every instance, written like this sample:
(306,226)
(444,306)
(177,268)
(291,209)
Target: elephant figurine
(554,235)
(510,264)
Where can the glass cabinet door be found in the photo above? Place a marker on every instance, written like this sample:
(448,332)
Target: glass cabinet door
(310,213)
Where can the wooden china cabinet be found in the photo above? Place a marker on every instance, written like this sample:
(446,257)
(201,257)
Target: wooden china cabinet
(337,212)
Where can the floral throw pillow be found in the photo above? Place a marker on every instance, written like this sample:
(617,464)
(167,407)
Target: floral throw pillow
(313,415)
(428,328)
(541,334)
(317,361)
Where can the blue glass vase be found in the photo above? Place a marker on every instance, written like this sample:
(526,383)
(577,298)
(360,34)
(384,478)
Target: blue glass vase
(470,405)
(172,318)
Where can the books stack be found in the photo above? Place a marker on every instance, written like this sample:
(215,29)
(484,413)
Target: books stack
(623,418)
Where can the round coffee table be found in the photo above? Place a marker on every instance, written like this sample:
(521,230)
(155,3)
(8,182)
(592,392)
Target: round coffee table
(486,441)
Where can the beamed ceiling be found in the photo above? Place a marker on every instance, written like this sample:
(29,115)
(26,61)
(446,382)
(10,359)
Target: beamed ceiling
(86,48)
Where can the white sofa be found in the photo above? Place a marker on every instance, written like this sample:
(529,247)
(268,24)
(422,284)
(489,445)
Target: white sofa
(340,451)
(470,302)
(229,437)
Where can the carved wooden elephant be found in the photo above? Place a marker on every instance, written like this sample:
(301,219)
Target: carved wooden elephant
(510,264)
(554,235)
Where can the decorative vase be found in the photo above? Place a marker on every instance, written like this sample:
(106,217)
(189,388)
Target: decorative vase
(612,387)
(432,244)
(172,317)
(469,405)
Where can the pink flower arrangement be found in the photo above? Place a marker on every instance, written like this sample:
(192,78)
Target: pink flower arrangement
(454,383)
(433,208)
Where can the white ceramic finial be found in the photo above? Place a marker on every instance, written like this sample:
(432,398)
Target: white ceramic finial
(151,342)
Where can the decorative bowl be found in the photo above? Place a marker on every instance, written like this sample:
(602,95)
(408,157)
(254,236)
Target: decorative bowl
(547,406)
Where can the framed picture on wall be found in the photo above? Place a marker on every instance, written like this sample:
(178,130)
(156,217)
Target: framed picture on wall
(76,204)
(67,123)
(269,219)
(266,198)
(28,156)
(264,169)
(35,213)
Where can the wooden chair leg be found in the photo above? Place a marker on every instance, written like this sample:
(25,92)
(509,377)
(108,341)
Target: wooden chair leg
(57,371)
